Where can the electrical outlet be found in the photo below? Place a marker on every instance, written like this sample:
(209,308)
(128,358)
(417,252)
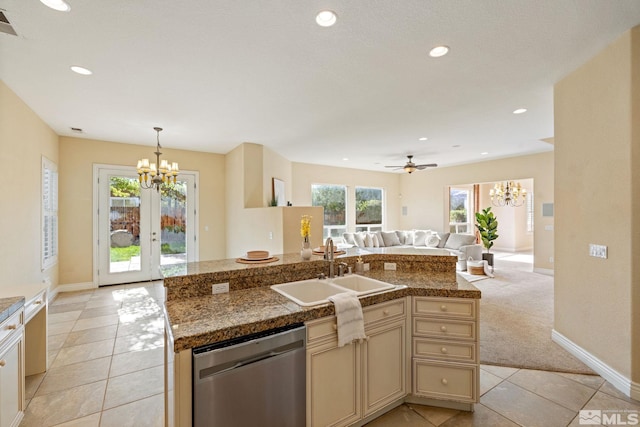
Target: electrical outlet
(598,251)
(390,266)
(220,288)
(271,235)
(550,259)
(366,266)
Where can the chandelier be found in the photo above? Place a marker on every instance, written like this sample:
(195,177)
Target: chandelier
(508,194)
(152,177)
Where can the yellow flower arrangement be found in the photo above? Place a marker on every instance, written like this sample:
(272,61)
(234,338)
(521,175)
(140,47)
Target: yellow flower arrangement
(305,227)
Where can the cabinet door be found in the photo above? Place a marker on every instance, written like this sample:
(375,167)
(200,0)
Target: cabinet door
(384,366)
(333,384)
(11,384)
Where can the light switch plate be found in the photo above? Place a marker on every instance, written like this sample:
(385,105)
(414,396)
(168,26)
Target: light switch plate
(598,251)
(390,266)
(220,288)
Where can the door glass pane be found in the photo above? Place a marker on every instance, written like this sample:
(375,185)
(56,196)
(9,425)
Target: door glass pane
(173,223)
(459,215)
(124,219)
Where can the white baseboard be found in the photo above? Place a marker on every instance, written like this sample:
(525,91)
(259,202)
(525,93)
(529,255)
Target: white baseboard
(545,271)
(71,287)
(619,381)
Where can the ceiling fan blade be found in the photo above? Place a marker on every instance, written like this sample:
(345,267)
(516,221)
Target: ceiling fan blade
(394,166)
(429,165)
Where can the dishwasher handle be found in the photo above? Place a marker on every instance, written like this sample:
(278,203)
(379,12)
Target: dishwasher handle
(230,366)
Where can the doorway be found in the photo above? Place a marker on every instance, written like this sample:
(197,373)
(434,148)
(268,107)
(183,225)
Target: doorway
(137,230)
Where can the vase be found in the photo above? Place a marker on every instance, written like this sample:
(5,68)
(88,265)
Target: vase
(305,253)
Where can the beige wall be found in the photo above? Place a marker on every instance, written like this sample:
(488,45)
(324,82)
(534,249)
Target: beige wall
(597,135)
(423,193)
(77,157)
(24,139)
(305,174)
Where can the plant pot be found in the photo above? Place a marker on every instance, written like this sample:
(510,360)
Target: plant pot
(488,257)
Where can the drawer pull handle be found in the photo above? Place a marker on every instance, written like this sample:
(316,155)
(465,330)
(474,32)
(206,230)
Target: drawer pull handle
(38,302)
(443,307)
(10,327)
(2,363)
(335,326)
(444,381)
(385,312)
(444,350)
(443,328)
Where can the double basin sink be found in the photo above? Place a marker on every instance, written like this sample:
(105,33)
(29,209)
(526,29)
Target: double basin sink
(317,291)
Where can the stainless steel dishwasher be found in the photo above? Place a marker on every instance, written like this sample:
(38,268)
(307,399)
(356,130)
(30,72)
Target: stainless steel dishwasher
(257,380)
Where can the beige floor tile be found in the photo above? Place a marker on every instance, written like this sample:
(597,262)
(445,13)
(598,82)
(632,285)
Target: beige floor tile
(31,384)
(143,329)
(148,412)
(400,416)
(612,391)
(92,420)
(558,389)
(593,381)
(488,381)
(604,401)
(435,416)
(84,352)
(102,302)
(60,328)
(126,363)
(51,357)
(69,376)
(128,343)
(106,310)
(524,407)
(63,317)
(63,308)
(134,386)
(91,335)
(96,322)
(55,342)
(71,297)
(481,417)
(499,371)
(66,405)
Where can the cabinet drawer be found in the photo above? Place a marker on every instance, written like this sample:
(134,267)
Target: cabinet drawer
(443,380)
(445,350)
(385,311)
(10,325)
(321,329)
(32,306)
(444,328)
(445,307)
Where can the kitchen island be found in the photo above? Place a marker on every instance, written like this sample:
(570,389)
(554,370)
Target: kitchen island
(194,317)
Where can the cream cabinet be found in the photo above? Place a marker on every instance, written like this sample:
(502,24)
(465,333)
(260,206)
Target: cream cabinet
(445,348)
(347,384)
(12,370)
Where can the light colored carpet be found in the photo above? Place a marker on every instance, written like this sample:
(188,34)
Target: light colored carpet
(516,319)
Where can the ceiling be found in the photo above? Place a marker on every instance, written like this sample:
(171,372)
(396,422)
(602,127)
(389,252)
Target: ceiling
(216,73)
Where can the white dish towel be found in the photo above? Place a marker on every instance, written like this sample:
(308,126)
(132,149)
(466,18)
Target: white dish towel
(350,317)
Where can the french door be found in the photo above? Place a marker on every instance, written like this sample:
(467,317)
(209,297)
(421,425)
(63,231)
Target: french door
(138,230)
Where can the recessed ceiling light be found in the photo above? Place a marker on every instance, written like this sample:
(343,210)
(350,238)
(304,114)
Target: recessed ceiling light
(81,70)
(326,18)
(439,51)
(424,138)
(59,5)
(345,159)
(520,111)
(484,153)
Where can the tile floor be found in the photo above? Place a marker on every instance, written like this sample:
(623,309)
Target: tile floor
(106,358)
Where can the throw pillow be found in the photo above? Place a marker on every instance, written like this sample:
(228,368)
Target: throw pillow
(420,238)
(348,238)
(404,237)
(380,239)
(390,238)
(443,239)
(432,240)
(359,239)
(368,241)
(374,239)
(456,240)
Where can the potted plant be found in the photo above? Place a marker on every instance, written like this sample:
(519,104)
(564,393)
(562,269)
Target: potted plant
(487,225)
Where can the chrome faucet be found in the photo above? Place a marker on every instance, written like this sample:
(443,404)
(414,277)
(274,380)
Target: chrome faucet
(329,256)
(342,268)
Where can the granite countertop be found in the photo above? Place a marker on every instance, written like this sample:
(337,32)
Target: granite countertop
(206,319)
(10,305)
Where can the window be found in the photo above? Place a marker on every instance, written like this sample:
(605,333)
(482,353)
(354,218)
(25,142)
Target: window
(49,213)
(368,209)
(460,219)
(334,200)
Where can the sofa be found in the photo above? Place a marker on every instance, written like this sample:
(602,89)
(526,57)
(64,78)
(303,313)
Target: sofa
(463,246)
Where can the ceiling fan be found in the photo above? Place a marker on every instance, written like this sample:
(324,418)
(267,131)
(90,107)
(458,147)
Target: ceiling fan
(411,167)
